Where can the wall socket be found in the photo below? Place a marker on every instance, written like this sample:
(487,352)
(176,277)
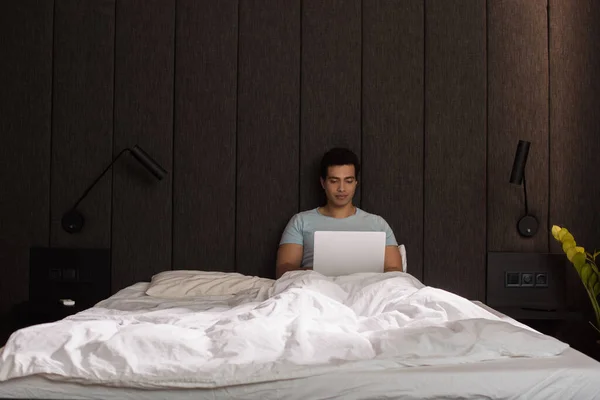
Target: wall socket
(525,279)
(62,274)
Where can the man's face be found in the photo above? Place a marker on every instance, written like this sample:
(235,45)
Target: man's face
(340,185)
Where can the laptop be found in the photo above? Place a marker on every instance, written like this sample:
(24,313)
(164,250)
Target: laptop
(343,252)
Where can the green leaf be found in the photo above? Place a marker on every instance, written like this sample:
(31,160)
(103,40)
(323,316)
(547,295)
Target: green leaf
(561,234)
(594,267)
(574,250)
(567,244)
(596,290)
(594,326)
(586,272)
(568,236)
(592,281)
(595,255)
(578,262)
(590,257)
(555,230)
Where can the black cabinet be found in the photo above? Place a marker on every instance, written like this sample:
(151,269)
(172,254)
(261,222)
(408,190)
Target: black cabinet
(82,275)
(33,313)
(579,334)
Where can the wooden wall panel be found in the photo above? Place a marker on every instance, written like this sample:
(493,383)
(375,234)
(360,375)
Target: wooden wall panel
(574,130)
(82,118)
(330,88)
(401,82)
(392,120)
(25,101)
(144,62)
(455,146)
(518,109)
(268,130)
(205,135)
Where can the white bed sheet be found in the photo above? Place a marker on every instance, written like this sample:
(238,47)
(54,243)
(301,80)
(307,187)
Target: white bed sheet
(571,375)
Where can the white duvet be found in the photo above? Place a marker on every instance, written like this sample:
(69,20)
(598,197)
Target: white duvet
(303,324)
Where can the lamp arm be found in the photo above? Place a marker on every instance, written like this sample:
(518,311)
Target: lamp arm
(528,224)
(85,193)
(525,194)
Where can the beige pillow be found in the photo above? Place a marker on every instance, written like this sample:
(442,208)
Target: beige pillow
(185,283)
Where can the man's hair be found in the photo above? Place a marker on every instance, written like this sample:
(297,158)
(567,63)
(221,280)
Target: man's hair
(339,156)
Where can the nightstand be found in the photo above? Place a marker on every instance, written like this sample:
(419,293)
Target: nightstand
(33,313)
(81,274)
(580,335)
(570,327)
(532,289)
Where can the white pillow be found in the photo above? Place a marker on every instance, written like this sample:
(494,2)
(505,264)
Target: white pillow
(186,283)
(403,254)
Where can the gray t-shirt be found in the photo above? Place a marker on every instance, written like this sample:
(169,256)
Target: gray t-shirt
(301,228)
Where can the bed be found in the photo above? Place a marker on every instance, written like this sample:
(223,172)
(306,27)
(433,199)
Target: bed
(208,335)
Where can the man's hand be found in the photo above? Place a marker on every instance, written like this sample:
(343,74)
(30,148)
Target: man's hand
(393,259)
(289,258)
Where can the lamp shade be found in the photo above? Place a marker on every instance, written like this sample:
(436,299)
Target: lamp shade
(147,161)
(518,169)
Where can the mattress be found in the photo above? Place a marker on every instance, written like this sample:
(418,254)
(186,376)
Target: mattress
(571,375)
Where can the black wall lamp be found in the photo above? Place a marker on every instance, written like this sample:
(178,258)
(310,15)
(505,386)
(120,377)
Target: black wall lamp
(73,221)
(528,224)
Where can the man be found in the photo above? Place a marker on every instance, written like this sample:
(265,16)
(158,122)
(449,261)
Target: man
(339,170)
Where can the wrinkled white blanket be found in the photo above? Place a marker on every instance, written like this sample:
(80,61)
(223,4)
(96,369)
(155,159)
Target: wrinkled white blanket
(304,324)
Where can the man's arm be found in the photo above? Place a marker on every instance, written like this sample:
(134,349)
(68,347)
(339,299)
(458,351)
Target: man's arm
(393,259)
(289,258)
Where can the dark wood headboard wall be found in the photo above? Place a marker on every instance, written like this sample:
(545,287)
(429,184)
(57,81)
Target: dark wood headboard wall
(238,99)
